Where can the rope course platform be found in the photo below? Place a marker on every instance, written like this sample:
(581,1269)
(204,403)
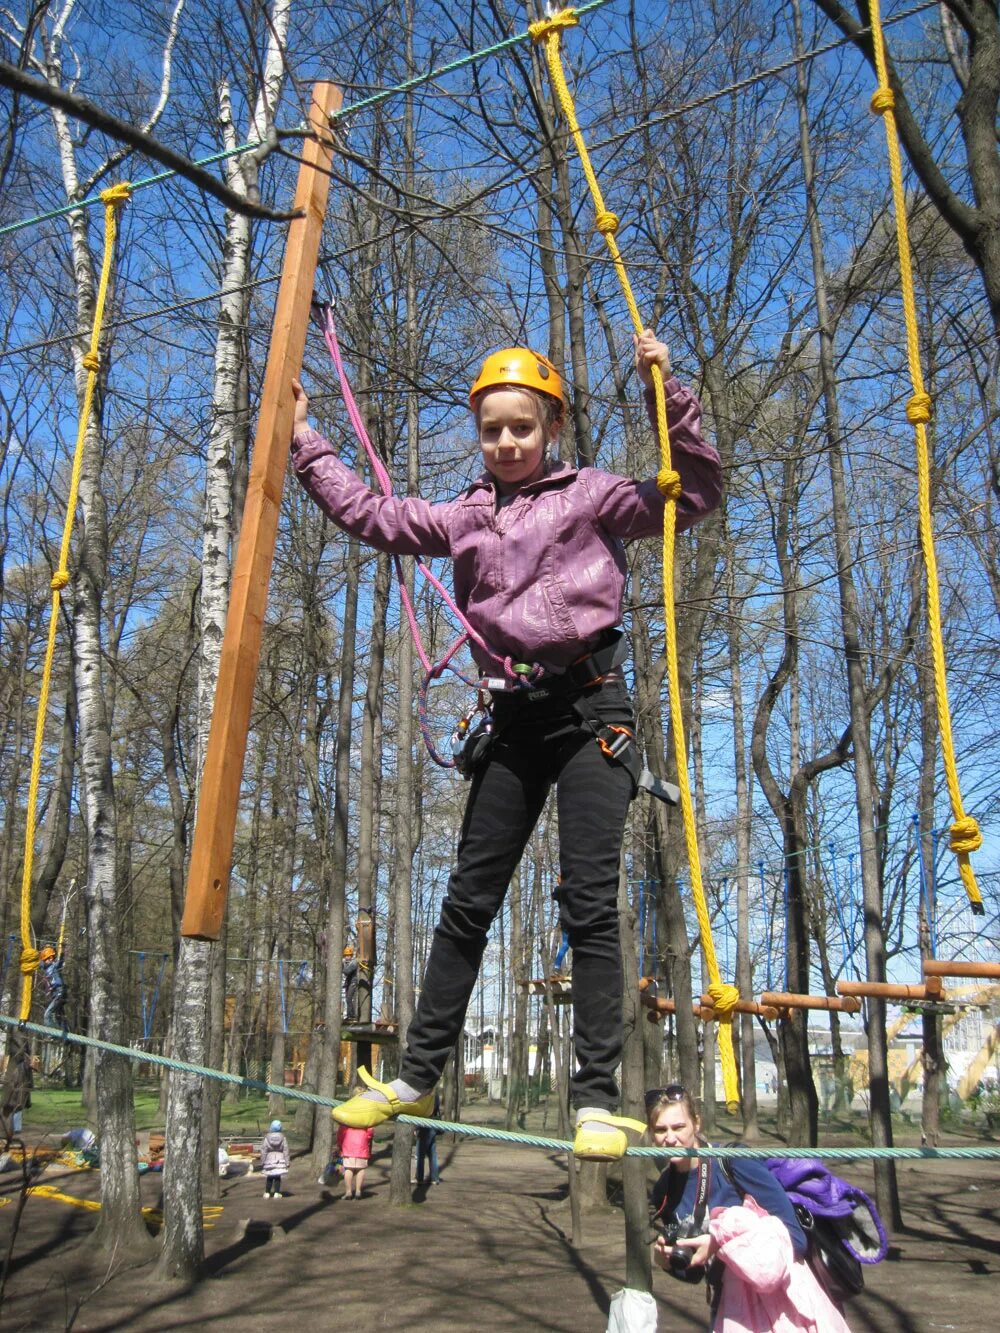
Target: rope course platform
(560,988)
(382,1033)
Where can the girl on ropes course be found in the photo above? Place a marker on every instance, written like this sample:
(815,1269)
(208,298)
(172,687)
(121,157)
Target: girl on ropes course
(733,1226)
(539,572)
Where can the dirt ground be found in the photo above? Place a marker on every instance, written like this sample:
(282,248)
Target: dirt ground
(486,1249)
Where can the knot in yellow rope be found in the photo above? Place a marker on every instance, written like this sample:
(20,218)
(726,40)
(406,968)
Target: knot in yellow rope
(918,409)
(59,580)
(566,18)
(29,961)
(669,484)
(607,223)
(117,194)
(965,835)
(882,101)
(91,361)
(724,998)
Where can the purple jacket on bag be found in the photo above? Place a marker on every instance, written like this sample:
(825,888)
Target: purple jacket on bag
(808,1182)
(543,576)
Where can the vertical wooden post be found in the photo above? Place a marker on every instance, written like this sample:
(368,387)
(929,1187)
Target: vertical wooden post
(215,824)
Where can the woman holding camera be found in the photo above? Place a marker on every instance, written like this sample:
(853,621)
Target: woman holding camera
(734,1226)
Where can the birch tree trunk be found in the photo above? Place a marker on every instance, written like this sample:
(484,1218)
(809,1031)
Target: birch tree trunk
(120,1226)
(183,1240)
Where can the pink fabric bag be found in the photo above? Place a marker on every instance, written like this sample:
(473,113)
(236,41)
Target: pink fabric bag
(765,1288)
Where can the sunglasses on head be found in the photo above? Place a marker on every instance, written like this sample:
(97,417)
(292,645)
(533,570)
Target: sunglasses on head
(673,1092)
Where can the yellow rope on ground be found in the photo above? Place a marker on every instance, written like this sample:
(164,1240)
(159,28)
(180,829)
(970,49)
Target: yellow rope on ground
(724,997)
(965,834)
(114,199)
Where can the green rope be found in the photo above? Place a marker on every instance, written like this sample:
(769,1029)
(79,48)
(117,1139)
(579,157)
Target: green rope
(383,95)
(502,1135)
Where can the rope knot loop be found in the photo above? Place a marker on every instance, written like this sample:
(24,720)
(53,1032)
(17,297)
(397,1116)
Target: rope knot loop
(117,194)
(607,223)
(724,999)
(91,361)
(566,18)
(965,836)
(883,100)
(670,486)
(59,579)
(918,409)
(29,961)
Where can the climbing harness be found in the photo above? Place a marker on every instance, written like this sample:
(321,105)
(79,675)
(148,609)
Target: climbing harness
(724,997)
(114,198)
(965,834)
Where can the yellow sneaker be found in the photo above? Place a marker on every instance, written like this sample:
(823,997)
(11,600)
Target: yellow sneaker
(361,1112)
(602,1145)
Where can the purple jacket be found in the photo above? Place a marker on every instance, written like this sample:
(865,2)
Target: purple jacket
(542,577)
(807,1181)
(274,1155)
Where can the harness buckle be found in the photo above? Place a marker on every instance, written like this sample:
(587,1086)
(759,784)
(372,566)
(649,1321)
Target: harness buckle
(614,740)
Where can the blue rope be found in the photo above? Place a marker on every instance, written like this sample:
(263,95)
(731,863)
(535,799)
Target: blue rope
(925,900)
(642,928)
(149,1014)
(786,877)
(767,927)
(281,994)
(848,950)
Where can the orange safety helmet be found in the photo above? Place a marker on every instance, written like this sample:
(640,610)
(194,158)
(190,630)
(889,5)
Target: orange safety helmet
(47,953)
(349,951)
(521,368)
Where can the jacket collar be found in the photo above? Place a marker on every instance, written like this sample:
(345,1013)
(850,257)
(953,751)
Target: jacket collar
(558,473)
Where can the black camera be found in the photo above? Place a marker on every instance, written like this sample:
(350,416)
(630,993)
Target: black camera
(679,1259)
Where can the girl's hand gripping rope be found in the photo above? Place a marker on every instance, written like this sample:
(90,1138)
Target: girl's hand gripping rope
(649,352)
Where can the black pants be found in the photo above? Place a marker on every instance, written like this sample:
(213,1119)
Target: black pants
(539,745)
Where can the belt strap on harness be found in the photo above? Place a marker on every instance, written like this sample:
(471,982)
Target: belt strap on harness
(618,743)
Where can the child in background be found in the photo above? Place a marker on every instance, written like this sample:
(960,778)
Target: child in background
(274,1160)
(355,1148)
(538,547)
(427,1147)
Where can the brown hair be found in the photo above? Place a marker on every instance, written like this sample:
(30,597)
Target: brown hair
(551,411)
(672,1096)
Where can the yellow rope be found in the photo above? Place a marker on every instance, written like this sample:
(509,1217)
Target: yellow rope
(965,834)
(668,481)
(114,198)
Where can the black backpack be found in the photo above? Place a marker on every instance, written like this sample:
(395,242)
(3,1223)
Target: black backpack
(838,1272)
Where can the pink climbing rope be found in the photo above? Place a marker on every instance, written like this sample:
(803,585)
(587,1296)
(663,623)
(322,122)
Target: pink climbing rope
(381,474)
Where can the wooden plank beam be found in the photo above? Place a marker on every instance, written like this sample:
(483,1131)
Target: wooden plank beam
(791,1000)
(937,967)
(887,990)
(215,824)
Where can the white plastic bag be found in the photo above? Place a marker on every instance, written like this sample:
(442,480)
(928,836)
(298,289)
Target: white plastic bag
(632,1312)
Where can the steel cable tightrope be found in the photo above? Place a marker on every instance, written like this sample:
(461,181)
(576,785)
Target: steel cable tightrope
(114,198)
(965,834)
(502,1135)
(724,997)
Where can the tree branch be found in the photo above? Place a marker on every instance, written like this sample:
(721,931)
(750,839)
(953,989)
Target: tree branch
(960,216)
(73,105)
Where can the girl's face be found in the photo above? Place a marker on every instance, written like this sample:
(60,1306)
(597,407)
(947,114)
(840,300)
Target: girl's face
(675,1128)
(513,437)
